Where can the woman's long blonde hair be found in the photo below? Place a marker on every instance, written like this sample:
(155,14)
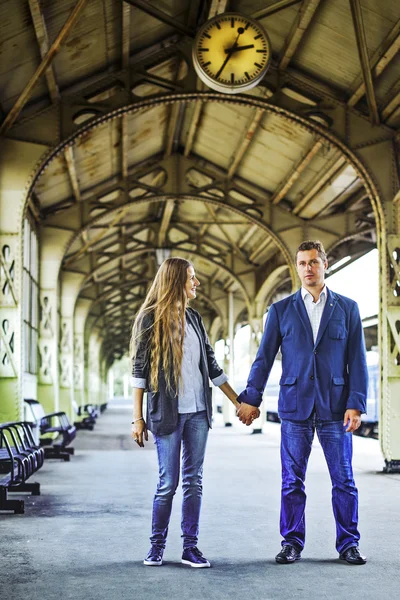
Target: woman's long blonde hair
(166,302)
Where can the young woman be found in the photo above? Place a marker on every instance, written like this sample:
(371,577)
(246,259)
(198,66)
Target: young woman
(173,360)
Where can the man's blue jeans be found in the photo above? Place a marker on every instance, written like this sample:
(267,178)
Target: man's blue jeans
(191,434)
(296,442)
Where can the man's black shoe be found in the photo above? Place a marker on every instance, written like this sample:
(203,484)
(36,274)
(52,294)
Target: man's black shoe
(287,555)
(353,557)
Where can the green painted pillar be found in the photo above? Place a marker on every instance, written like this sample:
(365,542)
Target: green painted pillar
(18,161)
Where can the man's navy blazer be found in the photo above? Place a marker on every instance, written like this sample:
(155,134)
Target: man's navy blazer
(330,375)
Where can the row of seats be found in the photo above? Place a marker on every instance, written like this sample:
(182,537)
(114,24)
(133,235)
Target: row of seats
(24,446)
(20,457)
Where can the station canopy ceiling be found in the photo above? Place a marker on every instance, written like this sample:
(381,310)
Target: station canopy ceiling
(144,159)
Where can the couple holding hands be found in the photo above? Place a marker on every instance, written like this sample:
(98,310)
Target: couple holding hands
(323,388)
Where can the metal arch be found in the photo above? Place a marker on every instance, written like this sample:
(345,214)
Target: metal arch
(108,295)
(218,265)
(349,238)
(282,283)
(125,304)
(313,127)
(241,100)
(91,274)
(264,290)
(186,197)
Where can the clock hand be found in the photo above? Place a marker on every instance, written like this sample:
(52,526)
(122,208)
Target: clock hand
(228,57)
(238,48)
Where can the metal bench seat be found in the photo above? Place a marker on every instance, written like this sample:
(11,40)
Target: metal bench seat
(55,422)
(18,461)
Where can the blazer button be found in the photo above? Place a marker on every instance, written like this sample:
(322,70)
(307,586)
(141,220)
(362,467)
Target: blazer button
(315,352)
(311,376)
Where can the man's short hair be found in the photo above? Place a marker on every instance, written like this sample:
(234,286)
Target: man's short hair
(312,245)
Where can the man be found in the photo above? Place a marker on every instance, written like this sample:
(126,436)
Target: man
(323,387)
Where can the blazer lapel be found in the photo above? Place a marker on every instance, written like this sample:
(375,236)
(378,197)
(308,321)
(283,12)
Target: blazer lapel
(330,304)
(298,303)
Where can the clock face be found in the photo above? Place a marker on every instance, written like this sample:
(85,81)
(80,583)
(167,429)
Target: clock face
(231,53)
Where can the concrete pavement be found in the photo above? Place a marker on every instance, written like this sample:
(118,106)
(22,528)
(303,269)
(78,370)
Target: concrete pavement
(86,535)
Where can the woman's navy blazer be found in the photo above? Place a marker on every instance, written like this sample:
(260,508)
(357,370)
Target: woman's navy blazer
(330,374)
(162,405)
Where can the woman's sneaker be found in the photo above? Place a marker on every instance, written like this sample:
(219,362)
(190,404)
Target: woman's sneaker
(194,558)
(154,557)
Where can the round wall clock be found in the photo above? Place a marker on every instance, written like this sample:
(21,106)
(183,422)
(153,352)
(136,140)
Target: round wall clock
(231,53)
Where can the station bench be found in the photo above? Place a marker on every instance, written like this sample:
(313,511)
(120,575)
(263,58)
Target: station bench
(56,422)
(20,457)
(88,415)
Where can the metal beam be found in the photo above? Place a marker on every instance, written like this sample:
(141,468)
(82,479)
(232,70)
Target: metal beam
(176,117)
(260,248)
(320,183)
(364,59)
(392,104)
(126,34)
(217,7)
(119,215)
(124,146)
(240,152)
(299,27)
(233,244)
(43,41)
(382,57)
(193,127)
(42,68)
(250,232)
(296,172)
(165,221)
(162,16)
(274,8)
(70,160)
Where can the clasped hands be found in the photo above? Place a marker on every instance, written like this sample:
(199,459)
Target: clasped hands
(247,413)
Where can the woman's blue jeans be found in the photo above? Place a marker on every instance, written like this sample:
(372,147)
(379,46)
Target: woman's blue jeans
(296,442)
(191,435)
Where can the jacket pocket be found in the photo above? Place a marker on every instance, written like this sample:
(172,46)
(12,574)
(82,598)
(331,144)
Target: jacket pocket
(288,394)
(337,329)
(338,395)
(154,406)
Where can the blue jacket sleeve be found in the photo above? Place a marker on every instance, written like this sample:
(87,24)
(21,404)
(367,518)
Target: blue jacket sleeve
(262,365)
(357,363)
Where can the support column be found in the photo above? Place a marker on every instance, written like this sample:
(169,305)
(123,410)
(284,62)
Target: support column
(256,325)
(382,163)
(111,384)
(389,420)
(17,164)
(52,243)
(94,374)
(81,312)
(70,286)
(48,383)
(228,411)
(11,407)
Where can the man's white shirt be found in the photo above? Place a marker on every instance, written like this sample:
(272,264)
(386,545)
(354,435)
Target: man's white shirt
(314,309)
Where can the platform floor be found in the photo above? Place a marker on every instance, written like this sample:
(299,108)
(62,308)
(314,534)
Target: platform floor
(85,537)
